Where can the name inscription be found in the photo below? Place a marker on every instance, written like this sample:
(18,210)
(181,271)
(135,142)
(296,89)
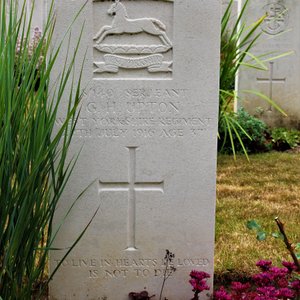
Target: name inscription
(106,268)
(138,113)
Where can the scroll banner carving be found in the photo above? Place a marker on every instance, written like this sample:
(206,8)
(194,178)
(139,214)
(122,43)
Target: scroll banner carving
(154,63)
(132,49)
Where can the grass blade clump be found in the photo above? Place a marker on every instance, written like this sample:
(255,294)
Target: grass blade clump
(33,153)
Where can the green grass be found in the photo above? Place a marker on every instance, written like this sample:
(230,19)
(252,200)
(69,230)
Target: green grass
(263,189)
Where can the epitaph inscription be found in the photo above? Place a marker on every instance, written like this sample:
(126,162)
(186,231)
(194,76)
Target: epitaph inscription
(130,44)
(122,267)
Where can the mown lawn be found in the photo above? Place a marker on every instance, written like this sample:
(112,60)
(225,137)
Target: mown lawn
(267,187)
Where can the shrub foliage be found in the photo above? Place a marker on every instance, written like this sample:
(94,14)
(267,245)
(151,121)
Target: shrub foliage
(252,132)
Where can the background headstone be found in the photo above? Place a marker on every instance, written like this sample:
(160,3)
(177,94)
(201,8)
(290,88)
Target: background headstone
(148,128)
(281,81)
(234,10)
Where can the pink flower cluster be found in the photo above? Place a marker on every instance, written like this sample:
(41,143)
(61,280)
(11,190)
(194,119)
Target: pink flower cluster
(198,282)
(32,45)
(272,283)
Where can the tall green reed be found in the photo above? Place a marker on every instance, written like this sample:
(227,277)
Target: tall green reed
(34,168)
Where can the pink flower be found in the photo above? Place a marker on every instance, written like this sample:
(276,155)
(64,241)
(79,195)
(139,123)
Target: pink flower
(273,283)
(290,266)
(239,287)
(262,279)
(267,292)
(222,294)
(295,285)
(198,282)
(198,285)
(285,293)
(199,275)
(264,264)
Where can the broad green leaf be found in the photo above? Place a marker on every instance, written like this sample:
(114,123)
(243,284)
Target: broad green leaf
(252,224)
(261,235)
(277,235)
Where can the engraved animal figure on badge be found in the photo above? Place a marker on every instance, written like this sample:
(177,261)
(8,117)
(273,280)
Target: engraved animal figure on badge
(123,24)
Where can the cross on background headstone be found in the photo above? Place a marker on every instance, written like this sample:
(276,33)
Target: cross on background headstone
(271,80)
(131,186)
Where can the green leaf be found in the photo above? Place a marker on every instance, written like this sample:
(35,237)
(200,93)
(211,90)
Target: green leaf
(261,236)
(297,247)
(252,224)
(277,235)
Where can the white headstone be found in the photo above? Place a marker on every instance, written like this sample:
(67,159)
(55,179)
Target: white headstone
(281,81)
(39,16)
(234,9)
(148,128)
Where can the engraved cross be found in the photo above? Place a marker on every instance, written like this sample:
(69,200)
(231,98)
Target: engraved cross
(271,80)
(131,186)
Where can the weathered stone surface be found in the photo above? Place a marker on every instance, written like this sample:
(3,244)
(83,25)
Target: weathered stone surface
(39,16)
(148,128)
(234,8)
(281,80)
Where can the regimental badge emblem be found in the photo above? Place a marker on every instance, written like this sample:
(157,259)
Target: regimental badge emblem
(132,43)
(277,18)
